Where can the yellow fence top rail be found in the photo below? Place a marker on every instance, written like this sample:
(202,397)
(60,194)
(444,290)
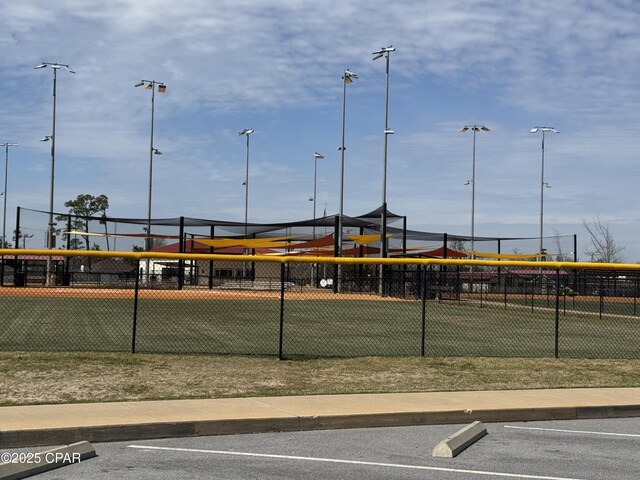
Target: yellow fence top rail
(12,252)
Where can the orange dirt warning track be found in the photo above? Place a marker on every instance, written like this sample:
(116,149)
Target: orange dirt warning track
(203,294)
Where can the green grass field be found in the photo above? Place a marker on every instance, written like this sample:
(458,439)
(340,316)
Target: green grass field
(312,328)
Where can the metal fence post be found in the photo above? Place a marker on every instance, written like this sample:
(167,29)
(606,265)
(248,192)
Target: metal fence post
(505,280)
(601,296)
(135,307)
(423,294)
(533,290)
(635,297)
(211,271)
(281,336)
(337,247)
(557,323)
(181,249)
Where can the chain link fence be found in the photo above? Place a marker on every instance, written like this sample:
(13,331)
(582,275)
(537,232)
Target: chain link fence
(288,307)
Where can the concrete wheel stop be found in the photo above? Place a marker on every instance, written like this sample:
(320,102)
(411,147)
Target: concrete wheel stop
(16,466)
(462,439)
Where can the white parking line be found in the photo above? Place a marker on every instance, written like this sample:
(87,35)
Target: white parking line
(351,462)
(583,432)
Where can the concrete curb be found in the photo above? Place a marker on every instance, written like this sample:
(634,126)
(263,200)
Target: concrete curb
(143,431)
(459,441)
(26,465)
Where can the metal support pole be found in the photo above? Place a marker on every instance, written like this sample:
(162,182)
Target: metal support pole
(383,217)
(211,234)
(506,281)
(149,238)
(4,210)
(281,333)
(50,229)
(542,200)
(67,260)
(336,253)
(499,269)
(542,184)
(473,195)
(347,77)
(246,193)
(557,322)
(422,273)
(135,308)
(18,265)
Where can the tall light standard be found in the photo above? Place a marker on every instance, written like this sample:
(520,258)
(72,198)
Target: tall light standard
(384,52)
(246,132)
(4,195)
(347,78)
(542,183)
(316,156)
(50,230)
(151,85)
(475,129)
(4,192)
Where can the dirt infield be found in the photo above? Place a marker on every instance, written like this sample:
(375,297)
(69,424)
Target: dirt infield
(187,294)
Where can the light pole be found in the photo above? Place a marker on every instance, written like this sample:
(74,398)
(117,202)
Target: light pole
(475,129)
(4,210)
(316,156)
(151,85)
(384,52)
(542,183)
(4,192)
(347,78)
(51,231)
(246,132)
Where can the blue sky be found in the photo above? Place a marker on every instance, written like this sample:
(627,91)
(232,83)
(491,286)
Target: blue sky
(276,66)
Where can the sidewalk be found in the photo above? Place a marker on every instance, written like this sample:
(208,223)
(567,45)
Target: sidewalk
(101,422)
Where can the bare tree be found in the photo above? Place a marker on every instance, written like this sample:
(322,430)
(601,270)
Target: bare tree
(603,247)
(557,243)
(458,245)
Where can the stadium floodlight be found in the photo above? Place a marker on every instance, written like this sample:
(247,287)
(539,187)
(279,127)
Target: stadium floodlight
(349,76)
(51,227)
(384,52)
(543,130)
(380,53)
(150,85)
(542,183)
(55,66)
(475,129)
